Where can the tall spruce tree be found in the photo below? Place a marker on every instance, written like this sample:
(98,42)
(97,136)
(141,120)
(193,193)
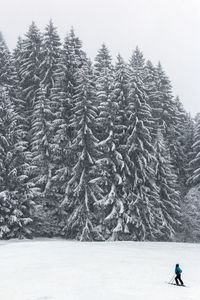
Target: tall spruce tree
(28,60)
(119,95)
(115,216)
(142,193)
(8,73)
(40,136)
(71,61)
(29,71)
(21,191)
(82,191)
(15,191)
(191,211)
(167,108)
(42,160)
(195,161)
(190,206)
(167,105)
(180,150)
(114,202)
(111,161)
(169,205)
(17,55)
(45,115)
(50,53)
(189,141)
(5,63)
(168,114)
(151,87)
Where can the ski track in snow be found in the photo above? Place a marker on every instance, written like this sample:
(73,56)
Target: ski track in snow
(54,269)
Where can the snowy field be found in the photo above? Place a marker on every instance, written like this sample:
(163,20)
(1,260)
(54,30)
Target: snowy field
(63,270)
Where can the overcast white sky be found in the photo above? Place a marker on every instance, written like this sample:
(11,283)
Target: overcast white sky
(165,30)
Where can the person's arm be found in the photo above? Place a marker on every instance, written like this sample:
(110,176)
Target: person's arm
(180,271)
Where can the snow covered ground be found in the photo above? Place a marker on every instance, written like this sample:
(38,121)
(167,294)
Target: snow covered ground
(63,270)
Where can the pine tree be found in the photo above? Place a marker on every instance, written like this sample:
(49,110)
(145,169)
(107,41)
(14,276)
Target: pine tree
(8,74)
(120,95)
(151,87)
(167,108)
(40,136)
(29,70)
(19,100)
(190,204)
(2,39)
(71,61)
(42,159)
(103,71)
(195,161)
(180,149)
(189,141)
(5,63)
(113,204)
(17,56)
(137,62)
(82,191)
(44,118)
(20,194)
(191,220)
(168,216)
(168,114)
(28,59)
(15,191)
(164,94)
(50,52)
(142,193)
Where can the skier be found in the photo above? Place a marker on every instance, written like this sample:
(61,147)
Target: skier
(178,272)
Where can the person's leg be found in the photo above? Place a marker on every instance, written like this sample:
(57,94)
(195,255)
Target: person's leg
(180,279)
(176,278)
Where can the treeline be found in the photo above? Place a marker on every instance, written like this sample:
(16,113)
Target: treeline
(92,151)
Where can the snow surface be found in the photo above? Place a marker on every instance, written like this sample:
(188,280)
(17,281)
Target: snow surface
(54,269)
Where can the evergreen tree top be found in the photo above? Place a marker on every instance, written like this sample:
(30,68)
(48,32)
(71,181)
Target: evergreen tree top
(2,41)
(120,59)
(180,106)
(33,32)
(137,60)
(51,30)
(18,47)
(150,65)
(72,41)
(150,75)
(121,74)
(163,80)
(103,59)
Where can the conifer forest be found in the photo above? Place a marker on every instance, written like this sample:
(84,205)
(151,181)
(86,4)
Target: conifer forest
(93,150)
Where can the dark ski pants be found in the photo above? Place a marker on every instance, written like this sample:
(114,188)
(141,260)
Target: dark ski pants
(178,278)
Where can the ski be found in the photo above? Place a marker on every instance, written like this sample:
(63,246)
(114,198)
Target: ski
(176,284)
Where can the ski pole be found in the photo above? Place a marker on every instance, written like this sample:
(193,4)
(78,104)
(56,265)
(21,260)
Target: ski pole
(171,281)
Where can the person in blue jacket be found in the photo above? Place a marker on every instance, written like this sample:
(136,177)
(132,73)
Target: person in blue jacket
(178,272)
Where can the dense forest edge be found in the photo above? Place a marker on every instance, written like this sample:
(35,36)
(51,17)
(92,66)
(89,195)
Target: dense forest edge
(93,151)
